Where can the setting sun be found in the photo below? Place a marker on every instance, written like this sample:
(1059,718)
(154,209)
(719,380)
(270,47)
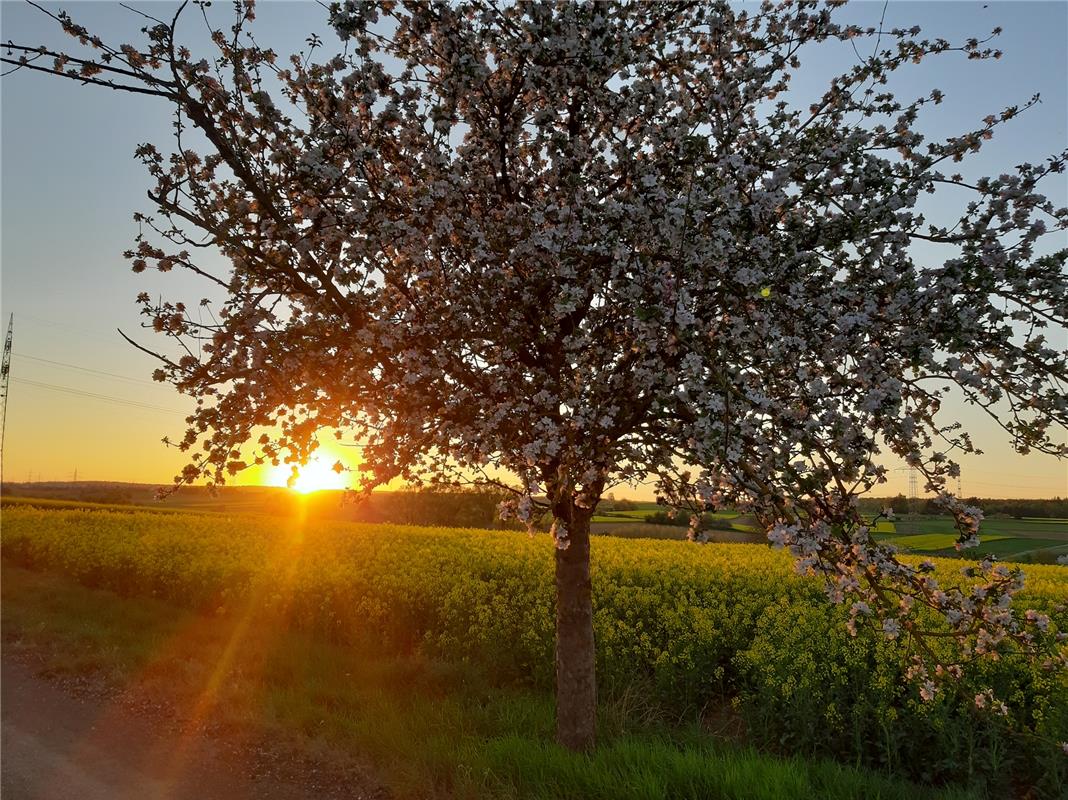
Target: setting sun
(315,476)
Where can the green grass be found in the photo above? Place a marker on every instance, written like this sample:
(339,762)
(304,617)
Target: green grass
(927,542)
(636,529)
(636,515)
(993,526)
(1008,539)
(1007,548)
(642,524)
(431,729)
(626,516)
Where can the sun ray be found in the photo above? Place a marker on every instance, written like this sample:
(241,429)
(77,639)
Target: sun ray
(244,648)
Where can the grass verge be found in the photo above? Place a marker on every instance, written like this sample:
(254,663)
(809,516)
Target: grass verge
(431,729)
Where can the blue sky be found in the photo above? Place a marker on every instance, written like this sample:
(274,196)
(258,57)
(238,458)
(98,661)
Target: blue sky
(69,185)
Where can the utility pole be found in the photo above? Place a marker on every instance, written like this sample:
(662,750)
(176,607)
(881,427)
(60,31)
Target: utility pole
(5,382)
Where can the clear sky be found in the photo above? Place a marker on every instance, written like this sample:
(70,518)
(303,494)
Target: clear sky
(82,399)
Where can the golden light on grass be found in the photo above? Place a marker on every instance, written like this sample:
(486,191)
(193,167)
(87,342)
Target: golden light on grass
(246,649)
(235,646)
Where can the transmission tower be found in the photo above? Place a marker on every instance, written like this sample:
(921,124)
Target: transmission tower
(914,501)
(5,380)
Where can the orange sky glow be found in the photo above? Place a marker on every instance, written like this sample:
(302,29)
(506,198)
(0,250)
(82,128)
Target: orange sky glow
(54,434)
(81,401)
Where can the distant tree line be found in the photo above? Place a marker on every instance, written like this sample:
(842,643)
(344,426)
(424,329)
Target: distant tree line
(467,507)
(455,508)
(459,508)
(611,503)
(84,491)
(707,523)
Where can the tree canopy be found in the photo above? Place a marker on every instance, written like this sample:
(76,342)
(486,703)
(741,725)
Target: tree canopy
(591,243)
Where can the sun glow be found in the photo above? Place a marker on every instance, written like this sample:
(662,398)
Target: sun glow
(315,476)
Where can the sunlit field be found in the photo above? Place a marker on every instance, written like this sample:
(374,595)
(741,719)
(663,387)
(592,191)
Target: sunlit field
(704,652)
(1022,540)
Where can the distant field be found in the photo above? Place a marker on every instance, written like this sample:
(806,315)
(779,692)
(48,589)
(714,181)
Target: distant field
(635,529)
(1027,540)
(48,503)
(1041,540)
(632,524)
(933,541)
(622,516)
(1037,528)
(254,500)
(636,514)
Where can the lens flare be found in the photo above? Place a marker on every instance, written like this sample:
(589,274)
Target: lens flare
(315,476)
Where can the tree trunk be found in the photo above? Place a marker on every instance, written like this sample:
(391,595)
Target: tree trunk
(576,686)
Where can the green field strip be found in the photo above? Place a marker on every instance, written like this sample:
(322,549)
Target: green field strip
(933,541)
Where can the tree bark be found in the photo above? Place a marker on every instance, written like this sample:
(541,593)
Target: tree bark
(576,686)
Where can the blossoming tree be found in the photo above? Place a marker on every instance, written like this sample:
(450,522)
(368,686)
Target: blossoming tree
(581,244)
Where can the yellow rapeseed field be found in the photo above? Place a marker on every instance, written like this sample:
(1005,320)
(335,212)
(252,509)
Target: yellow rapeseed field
(672,611)
(683,626)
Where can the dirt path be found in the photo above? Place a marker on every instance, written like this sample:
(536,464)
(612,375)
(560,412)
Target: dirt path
(56,746)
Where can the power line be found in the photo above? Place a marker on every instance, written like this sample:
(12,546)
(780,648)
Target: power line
(86,369)
(96,333)
(94,396)
(1010,485)
(996,472)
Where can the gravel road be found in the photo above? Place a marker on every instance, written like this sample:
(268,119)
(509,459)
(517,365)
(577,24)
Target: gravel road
(60,746)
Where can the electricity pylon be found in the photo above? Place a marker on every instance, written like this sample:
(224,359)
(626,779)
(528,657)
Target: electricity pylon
(5,380)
